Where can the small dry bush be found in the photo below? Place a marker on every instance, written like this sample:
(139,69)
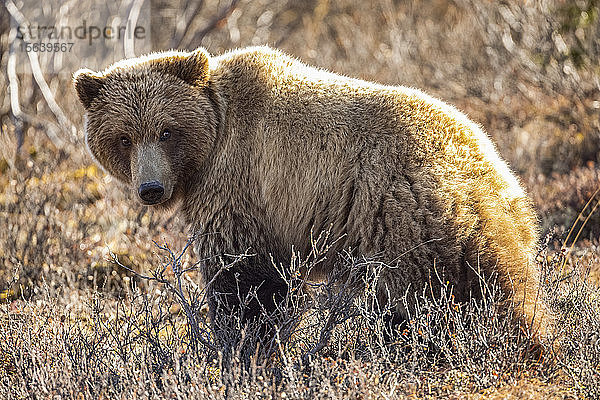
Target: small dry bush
(61,217)
(331,341)
(570,201)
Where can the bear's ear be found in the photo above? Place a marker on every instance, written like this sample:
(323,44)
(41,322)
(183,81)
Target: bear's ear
(191,68)
(87,84)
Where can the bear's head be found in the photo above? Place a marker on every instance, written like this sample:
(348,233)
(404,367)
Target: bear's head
(151,121)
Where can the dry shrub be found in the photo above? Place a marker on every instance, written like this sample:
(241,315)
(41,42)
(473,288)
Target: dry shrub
(570,201)
(330,342)
(61,216)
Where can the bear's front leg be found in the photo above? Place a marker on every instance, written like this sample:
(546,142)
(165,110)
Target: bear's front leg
(242,296)
(244,287)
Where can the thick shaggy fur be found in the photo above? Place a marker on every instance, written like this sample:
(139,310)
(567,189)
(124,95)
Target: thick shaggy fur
(265,150)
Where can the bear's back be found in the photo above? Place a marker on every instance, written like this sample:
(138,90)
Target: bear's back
(347,114)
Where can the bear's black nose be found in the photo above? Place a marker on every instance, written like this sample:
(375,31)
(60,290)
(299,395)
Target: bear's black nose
(151,192)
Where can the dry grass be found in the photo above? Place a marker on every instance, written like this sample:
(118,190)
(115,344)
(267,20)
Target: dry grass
(157,342)
(75,323)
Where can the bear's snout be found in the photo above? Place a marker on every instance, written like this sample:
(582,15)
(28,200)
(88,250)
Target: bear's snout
(151,192)
(151,175)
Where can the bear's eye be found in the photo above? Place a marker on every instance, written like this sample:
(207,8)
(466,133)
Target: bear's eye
(125,141)
(165,135)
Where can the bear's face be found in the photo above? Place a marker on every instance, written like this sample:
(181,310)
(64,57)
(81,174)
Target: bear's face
(150,121)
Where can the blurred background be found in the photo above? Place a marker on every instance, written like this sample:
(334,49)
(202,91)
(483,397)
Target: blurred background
(527,71)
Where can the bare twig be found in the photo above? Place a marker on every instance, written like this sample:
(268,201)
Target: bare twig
(64,122)
(216,22)
(16,113)
(185,22)
(132,18)
(189,301)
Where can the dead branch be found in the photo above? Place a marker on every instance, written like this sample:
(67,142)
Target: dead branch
(216,22)
(184,24)
(13,82)
(65,124)
(132,18)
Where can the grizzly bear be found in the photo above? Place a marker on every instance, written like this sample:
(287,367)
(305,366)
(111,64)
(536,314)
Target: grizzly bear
(261,151)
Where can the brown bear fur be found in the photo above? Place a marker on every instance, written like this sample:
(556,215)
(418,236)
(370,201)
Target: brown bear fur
(265,150)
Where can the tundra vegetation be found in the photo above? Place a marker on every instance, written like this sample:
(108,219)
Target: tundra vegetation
(99,296)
